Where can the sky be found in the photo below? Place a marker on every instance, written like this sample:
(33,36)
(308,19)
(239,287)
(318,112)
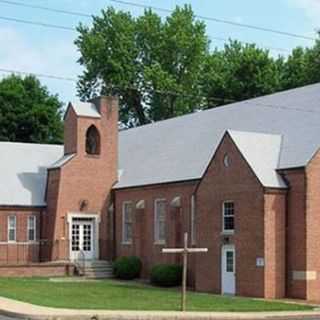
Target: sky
(35,49)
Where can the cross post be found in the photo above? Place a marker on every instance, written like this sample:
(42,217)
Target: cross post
(184,251)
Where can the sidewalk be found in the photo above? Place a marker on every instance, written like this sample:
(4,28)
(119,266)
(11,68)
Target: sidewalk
(28,311)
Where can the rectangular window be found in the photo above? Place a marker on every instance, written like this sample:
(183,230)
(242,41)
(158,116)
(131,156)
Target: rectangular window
(32,228)
(127,222)
(229,261)
(160,221)
(228,216)
(12,228)
(193,220)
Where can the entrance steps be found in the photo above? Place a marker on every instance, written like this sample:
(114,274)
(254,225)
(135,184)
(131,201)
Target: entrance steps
(97,269)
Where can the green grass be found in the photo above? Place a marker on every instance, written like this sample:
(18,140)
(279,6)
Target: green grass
(113,295)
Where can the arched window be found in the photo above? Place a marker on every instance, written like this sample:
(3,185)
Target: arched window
(92,141)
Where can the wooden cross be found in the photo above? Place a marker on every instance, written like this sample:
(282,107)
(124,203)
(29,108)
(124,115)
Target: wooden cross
(184,251)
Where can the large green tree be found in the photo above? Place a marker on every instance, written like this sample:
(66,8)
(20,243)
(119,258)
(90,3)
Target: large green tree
(28,113)
(238,72)
(153,64)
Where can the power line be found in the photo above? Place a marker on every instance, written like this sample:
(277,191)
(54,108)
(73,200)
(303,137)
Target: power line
(40,75)
(237,24)
(248,43)
(21,4)
(228,101)
(55,77)
(37,23)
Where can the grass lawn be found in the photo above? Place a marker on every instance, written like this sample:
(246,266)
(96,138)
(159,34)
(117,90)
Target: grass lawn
(115,295)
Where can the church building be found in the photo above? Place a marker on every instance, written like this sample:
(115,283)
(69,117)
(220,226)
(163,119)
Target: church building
(242,179)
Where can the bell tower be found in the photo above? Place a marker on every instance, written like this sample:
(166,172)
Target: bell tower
(79,187)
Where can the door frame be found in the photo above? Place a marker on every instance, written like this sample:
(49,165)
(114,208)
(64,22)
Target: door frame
(95,232)
(230,247)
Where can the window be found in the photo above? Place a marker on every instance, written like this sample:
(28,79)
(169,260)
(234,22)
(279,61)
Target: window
(228,216)
(127,222)
(12,228)
(193,220)
(229,261)
(32,228)
(226,160)
(92,141)
(160,221)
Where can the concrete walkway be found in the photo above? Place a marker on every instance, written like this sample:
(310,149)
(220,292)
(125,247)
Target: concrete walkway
(24,310)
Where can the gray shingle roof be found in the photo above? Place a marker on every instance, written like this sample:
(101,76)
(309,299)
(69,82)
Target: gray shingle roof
(85,109)
(23,172)
(180,149)
(262,152)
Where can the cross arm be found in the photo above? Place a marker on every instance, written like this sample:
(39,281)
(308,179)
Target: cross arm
(191,250)
(172,250)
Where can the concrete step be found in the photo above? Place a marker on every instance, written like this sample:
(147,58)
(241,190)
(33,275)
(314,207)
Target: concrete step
(98,269)
(99,275)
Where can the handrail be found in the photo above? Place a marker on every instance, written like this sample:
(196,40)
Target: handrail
(83,260)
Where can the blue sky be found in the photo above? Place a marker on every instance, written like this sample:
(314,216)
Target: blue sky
(51,51)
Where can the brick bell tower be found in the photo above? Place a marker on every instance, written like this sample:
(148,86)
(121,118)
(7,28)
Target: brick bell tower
(77,224)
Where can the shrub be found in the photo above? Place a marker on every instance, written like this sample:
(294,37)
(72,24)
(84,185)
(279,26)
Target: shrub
(127,268)
(166,275)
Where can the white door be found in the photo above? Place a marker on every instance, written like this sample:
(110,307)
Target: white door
(228,279)
(82,244)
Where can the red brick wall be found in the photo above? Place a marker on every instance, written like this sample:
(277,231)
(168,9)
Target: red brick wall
(275,241)
(36,270)
(20,251)
(313,227)
(70,132)
(85,177)
(177,222)
(296,232)
(237,183)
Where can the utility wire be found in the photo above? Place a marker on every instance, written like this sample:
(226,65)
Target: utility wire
(237,24)
(55,77)
(74,13)
(21,4)
(250,101)
(55,26)
(225,40)
(40,75)
(37,23)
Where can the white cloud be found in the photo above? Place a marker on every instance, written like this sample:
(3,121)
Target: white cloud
(311,9)
(55,56)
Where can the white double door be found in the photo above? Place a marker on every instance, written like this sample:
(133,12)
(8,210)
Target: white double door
(82,239)
(228,274)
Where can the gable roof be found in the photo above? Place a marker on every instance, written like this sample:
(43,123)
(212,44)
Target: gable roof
(85,109)
(180,149)
(262,152)
(23,172)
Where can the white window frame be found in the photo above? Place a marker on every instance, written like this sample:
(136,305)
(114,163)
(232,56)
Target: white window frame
(34,228)
(15,228)
(157,239)
(193,219)
(227,231)
(125,239)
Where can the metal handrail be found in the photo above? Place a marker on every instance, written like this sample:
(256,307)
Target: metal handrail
(83,260)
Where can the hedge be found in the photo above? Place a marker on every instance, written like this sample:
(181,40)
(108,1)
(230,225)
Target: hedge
(127,268)
(166,275)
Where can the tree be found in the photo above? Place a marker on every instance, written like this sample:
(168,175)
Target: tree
(239,72)
(154,65)
(28,113)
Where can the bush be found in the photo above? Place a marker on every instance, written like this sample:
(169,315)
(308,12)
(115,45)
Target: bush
(166,275)
(127,268)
